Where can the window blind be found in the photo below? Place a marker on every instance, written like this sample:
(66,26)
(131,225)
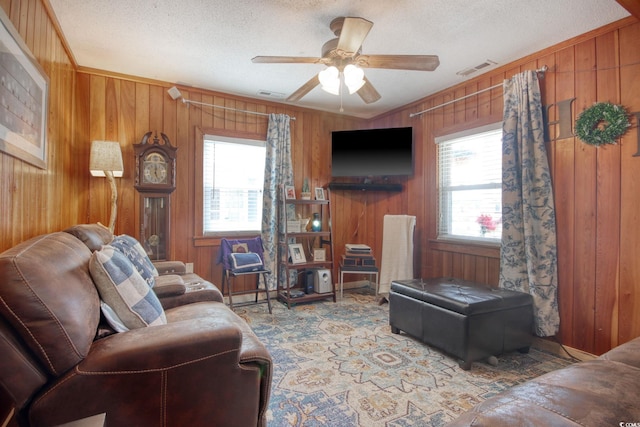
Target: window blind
(470,184)
(233,180)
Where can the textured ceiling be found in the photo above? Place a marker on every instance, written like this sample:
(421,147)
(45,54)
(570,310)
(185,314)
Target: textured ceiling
(209,43)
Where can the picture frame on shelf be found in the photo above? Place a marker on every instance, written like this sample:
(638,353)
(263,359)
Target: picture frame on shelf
(293,226)
(319,254)
(320,193)
(289,192)
(296,252)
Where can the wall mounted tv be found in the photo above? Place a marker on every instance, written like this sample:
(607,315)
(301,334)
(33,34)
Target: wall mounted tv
(372,152)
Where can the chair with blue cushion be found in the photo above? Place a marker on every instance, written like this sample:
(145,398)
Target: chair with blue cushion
(243,257)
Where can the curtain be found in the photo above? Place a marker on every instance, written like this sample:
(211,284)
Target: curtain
(278,172)
(528,255)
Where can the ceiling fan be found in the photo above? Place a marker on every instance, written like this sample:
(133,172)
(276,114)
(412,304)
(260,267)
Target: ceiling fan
(343,56)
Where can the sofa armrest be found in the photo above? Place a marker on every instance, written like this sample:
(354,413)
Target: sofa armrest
(161,347)
(170,267)
(163,373)
(169,285)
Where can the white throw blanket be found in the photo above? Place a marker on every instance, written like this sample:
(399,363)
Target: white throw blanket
(397,250)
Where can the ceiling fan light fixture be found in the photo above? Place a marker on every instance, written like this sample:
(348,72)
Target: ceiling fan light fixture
(343,53)
(330,80)
(353,78)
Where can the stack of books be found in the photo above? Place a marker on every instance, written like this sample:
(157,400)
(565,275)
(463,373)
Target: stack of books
(357,255)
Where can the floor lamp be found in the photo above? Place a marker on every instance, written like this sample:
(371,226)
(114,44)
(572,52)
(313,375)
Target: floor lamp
(106,160)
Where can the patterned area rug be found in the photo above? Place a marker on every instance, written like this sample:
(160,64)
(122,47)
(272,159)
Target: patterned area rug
(338,364)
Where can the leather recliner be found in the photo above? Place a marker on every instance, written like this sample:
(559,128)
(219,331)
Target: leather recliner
(204,367)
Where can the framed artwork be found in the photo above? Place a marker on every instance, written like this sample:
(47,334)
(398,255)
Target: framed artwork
(23,109)
(319,254)
(289,192)
(296,252)
(319,193)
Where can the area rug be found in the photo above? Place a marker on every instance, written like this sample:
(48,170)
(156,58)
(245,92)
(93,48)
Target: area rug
(338,364)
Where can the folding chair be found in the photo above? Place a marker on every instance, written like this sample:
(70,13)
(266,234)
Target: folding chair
(243,257)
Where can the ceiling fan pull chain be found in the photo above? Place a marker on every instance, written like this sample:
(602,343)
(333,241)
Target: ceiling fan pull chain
(341,91)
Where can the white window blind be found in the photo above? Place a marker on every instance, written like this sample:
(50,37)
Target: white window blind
(470,184)
(233,180)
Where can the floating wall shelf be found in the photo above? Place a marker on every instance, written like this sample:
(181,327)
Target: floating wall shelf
(364,187)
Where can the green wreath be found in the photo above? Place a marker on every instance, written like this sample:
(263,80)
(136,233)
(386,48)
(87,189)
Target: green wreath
(612,117)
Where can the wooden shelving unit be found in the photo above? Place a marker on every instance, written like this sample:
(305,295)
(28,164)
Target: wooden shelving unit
(309,240)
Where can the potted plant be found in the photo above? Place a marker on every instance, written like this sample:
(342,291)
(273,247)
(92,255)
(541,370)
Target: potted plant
(306,191)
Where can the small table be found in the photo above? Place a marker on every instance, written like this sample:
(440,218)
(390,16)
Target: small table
(370,270)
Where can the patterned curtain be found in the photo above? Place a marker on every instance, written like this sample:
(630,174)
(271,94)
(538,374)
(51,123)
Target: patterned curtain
(278,172)
(528,256)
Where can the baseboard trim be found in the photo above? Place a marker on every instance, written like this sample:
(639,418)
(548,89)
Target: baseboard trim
(557,349)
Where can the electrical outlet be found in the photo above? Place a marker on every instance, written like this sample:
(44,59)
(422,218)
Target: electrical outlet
(189,267)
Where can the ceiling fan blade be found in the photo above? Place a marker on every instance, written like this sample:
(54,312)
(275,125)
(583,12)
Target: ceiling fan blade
(304,89)
(285,60)
(353,33)
(368,93)
(399,62)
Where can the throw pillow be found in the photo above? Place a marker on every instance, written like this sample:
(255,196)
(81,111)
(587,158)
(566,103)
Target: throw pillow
(245,262)
(133,250)
(122,288)
(112,318)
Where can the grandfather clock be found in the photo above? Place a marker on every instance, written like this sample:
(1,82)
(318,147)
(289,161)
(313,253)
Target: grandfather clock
(155,181)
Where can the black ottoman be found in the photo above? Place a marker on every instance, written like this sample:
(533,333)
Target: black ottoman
(462,318)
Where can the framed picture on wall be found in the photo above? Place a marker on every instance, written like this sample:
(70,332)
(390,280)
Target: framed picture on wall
(23,110)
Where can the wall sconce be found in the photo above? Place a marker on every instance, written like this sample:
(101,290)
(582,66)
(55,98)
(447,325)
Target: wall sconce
(106,160)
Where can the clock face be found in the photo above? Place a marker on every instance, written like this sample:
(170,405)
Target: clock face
(154,240)
(154,169)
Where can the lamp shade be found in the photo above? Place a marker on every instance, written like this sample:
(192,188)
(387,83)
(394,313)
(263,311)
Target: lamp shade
(105,156)
(353,78)
(330,80)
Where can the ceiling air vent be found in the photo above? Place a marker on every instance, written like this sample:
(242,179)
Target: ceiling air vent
(270,94)
(468,71)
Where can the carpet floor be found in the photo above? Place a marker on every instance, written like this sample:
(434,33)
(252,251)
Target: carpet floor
(338,364)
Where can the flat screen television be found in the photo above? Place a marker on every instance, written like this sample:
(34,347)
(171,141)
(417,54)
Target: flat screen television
(372,152)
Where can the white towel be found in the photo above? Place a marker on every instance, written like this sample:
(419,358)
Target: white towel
(397,250)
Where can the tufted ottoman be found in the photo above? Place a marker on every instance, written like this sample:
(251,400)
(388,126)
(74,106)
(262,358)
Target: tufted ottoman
(462,318)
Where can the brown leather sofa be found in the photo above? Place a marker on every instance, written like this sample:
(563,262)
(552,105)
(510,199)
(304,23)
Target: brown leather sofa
(600,392)
(204,367)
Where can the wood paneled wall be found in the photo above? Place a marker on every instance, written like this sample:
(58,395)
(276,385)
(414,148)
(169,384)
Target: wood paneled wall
(595,188)
(32,200)
(122,109)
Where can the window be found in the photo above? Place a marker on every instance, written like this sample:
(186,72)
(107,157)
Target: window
(470,184)
(233,179)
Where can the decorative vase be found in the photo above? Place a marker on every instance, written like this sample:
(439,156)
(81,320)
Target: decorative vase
(316,223)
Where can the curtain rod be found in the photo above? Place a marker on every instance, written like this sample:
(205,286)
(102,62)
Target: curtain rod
(540,70)
(188,101)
